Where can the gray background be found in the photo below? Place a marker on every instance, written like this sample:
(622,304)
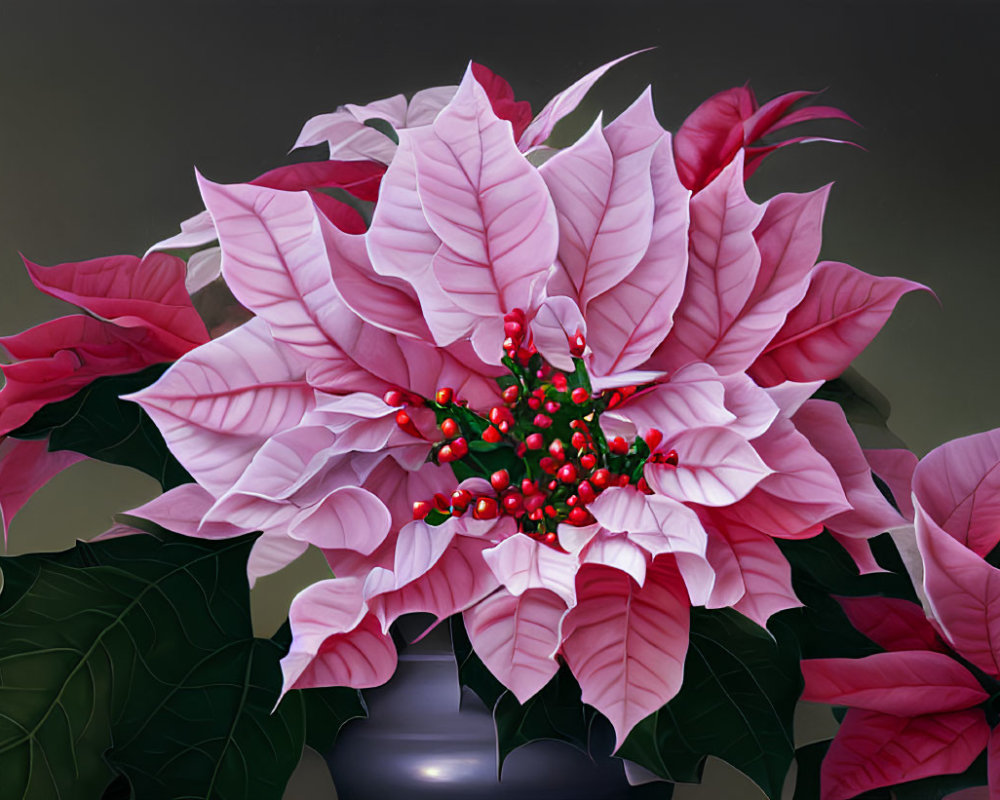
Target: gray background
(108,106)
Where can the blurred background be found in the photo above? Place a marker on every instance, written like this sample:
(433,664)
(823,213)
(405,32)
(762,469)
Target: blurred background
(107,107)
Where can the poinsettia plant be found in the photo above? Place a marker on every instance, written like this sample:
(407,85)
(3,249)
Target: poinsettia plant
(582,405)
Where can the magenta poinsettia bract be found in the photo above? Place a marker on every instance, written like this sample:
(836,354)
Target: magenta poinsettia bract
(564,393)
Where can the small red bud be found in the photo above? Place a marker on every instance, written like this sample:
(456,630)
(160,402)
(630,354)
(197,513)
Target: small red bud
(509,344)
(535,515)
(491,435)
(446,455)
(578,440)
(588,461)
(559,382)
(421,508)
(579,395)
(460,447)
(535,441)
(521,449)
(572,500)
(552,485)
(528,487)
(671,458)
(406,424)
(534,403)
(460,499)
(601,478)
(548,465)
(441,502)
(616,398)
(542,421)
(550,538)
(512,502)
(618,446)
(566,473)
(510,394)
(623,480)
(450,428)
(504,426)
(393,397)
(642,486)
(552,406)
(577,344)
(513,329)
(586,492)
(523,356)
(556,450)
(486,508)
(444,395)
(550,511)
(500,480)
(653,439)
(579,516)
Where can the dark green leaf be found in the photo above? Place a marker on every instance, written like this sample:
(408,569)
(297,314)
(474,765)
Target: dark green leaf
(808,760)
(554,713)
(96,423)
(384,127)
(327,711)
(472,673)
(940,786)
(737,702)
(135,656)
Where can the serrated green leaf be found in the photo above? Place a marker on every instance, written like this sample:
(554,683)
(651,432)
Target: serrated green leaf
(96,423)
(737,703)
(135,656)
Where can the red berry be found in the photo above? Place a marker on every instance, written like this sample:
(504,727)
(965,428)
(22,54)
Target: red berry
(510,394)
(586,492)
(542,421)
(579,395)
(528,487)
(513,329)
(393,397)
(446,455)
(441,502)
(642,486)
(460,499)
(623,480)
(577,344)
(450,428)
(406,424)
(486,508)
(615,399)
(534,403)
(556,450)
(578,516)
(572,500)
(492,435)
(601,478)
(460,447)
(653,439)
(671,458)
(512,502)
(566,473)
(548,465)
(552,406)
(588,461)
(559,382)
(552,485)
(535,441)
(510,346)
(444,395)
(421,508)
(500,480)
(578,440)
(535,515)
(504,426)
(618,446)
(550,511)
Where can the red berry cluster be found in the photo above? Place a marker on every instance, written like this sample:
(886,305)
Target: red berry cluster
(542,449)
